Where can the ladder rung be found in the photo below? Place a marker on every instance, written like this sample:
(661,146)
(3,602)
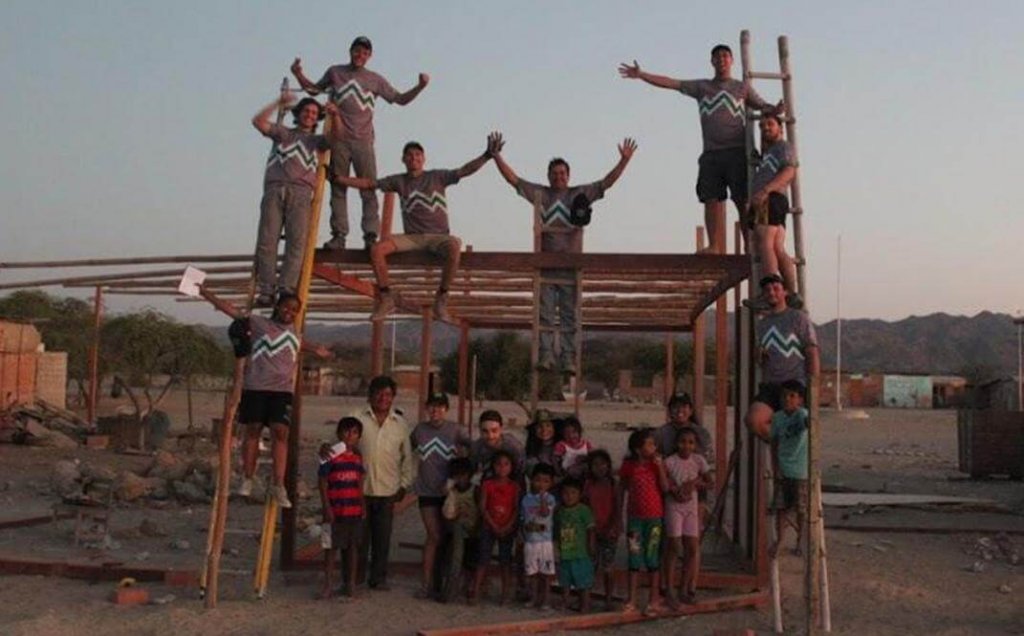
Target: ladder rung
(767,75)
(236,572)
(758,116)
(242,532)
(799,260)
(796,210)
(558,281)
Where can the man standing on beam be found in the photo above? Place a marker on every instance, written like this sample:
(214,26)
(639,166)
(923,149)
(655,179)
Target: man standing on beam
(722,102)
(557,202)
(355,89)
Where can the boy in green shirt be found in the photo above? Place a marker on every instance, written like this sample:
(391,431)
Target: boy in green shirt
(576,538)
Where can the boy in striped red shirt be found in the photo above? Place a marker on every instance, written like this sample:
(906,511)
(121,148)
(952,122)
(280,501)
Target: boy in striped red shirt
(341,495)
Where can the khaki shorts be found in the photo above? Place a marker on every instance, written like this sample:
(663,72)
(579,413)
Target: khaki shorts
(436,244)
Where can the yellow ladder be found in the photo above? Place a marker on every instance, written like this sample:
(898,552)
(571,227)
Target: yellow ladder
(218,514)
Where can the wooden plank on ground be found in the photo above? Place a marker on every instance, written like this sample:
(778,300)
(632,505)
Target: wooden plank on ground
(604,619)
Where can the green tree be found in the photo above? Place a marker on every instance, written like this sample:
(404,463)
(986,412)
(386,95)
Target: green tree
(146,348)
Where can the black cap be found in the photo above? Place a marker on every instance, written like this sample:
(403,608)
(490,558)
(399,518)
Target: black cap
(362,41)
(771,278)
(437,399)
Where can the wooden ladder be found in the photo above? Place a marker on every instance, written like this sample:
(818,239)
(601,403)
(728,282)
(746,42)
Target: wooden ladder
(218,512)
(816,571)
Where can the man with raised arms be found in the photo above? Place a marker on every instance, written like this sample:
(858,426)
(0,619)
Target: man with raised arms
(355,89)
(556,201)
(722,102)
(424,219)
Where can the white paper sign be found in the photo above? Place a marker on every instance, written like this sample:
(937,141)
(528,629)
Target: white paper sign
(191,280)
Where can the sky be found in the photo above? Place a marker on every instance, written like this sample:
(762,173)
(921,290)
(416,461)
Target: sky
(126,131)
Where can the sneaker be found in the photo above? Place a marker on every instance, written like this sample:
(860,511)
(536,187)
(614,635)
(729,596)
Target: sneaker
(794,301)
(368,240)
(281,495)
(441,308)
(263,300)
(245,488)
(385,307)
(336,242)
(760,303)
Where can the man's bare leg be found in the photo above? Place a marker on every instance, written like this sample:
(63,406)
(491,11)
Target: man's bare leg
(714,224)
(787,266)
(379,253)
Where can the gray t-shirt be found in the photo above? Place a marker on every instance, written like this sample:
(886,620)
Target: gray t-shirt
(555,206)
(784,338)
(722,106)
(666,437)
(777,156)
(275,350)
(480,453)
(293,159)
(355,91)
(424,205)
(434,447)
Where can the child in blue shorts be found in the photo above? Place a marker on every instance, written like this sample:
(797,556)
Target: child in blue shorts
(577,543)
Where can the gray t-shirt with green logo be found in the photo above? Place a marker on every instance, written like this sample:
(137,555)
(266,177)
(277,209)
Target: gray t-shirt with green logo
(777,156)
(355,91)
(555,207)
(784,338)
(293,159)
(424,204)
(722,106)
(275,351)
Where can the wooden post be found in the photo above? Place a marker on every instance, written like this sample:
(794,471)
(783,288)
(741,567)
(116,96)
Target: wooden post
(94,355)
(219,511)
(472,394)
(463,372)
(813,519)
(290,515)
(425,356)
(670,367)
(699,350)
(796,200)
(721,387)
(387,215)
(376,347)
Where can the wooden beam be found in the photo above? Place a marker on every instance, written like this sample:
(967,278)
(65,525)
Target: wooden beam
(94,356)
(604,619)
(425,357)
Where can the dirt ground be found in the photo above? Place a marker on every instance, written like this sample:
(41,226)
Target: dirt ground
(881,583)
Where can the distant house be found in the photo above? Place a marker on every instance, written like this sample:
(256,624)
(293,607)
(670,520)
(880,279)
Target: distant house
(892,390)
(27,371)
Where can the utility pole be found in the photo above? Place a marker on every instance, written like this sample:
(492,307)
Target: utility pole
(839,322)
(1019,321)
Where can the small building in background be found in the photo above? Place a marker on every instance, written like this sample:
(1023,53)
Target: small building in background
(27,371)
(407,377)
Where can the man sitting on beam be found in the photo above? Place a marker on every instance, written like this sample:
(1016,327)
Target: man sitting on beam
(424,219)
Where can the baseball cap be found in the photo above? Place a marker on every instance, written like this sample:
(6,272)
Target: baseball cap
(771,278)
(437,399)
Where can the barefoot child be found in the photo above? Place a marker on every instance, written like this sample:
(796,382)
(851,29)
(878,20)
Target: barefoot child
(681,476)
(639,475)
(577,542)
(537,514)
(463,516)
(341,495)
(499,505)
(571,452)
(599,493)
